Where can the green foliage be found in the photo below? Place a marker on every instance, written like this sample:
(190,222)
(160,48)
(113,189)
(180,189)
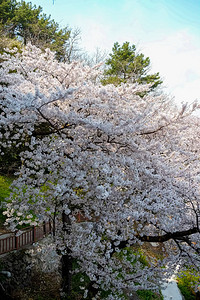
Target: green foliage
(7,9)
(106,294)
(27,23)
(11,161)
(6,42)
(126,65)
(132,256)
(187,279)
(5,183)
(149,295)
(81,282)
(5,191)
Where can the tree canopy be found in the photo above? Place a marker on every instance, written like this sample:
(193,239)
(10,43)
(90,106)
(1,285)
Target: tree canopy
(129,165)
(27,23)
(126,65)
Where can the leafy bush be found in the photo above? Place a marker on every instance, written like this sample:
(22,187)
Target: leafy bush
(187,279)
(149,295)
(5,183)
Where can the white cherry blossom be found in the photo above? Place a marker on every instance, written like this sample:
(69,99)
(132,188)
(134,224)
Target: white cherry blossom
(128,165)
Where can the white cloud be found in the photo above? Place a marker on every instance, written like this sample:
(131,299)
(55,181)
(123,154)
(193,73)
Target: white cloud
(176,55)
(177,58)
(94,33)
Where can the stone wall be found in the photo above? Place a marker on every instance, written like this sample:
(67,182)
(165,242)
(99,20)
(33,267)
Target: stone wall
(33,270)
(19,265)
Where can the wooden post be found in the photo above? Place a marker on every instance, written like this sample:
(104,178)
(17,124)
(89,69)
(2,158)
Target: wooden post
(33,234)
(16,241)
(79,217)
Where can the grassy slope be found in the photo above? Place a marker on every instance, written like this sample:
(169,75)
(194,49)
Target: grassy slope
(5,183)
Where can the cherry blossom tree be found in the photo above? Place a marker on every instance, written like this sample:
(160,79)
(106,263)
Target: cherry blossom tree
(128,165)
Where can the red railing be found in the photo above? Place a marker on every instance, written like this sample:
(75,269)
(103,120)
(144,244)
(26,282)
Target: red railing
(29,235)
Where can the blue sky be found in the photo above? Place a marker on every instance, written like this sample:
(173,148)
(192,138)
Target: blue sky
(168,31)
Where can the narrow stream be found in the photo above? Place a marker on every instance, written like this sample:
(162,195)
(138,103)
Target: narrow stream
(171,291)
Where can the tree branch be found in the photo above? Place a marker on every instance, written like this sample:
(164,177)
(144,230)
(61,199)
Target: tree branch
(168,236)
(160,238)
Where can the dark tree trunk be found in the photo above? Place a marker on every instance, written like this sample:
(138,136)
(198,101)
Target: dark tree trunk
(66,262)
(92,292)
(197,295)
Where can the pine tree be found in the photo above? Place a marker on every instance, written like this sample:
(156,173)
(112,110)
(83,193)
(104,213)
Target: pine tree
(126,65)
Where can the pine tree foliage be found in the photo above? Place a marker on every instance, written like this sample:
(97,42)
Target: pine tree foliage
(27,23)
(125,65)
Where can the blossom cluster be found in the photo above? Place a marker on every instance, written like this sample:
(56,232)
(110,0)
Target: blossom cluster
(129,164)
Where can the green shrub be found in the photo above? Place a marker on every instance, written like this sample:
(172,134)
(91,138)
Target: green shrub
(149,295)
(5,183)
(186,282)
